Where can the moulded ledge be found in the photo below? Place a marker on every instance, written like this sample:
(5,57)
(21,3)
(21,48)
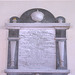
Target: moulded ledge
(13,38)
(37,25)
(35,71)
(60,38)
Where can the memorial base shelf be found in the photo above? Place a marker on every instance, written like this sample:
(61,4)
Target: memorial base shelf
(36,71)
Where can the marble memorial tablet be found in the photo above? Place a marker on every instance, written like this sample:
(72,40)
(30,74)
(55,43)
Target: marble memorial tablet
(37,49)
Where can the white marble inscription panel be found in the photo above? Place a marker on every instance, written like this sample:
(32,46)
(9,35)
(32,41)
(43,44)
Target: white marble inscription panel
(37,49)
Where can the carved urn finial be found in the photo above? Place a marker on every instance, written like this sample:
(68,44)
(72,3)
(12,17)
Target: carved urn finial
(37,16)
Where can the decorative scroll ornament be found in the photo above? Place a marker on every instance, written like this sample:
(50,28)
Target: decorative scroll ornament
(37,16)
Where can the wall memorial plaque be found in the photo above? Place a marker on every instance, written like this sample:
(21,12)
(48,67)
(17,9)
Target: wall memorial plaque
(37,44)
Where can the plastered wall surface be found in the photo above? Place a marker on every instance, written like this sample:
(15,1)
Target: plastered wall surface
(64,8)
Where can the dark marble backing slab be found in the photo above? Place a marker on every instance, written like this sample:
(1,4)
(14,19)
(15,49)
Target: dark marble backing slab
(13,33)
(60,33)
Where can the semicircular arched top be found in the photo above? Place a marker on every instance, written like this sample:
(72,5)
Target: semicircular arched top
(48,17)
(26,16)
